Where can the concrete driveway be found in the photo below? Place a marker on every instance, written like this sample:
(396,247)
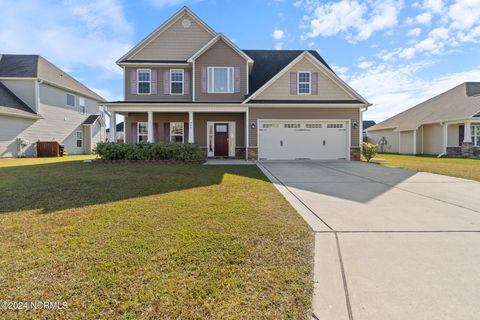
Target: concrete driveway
(390,243)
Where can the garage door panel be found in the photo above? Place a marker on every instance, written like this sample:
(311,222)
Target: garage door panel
(313,139)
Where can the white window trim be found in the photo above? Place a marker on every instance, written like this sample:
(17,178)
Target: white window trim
(80,105)
(183,81)
(309,83)
(149,82)
(81,139)
(230,81)
(74,100)
(177,135)
(138,130)
(475,134)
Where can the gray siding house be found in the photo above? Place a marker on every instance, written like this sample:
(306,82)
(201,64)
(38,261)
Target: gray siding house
(39,101)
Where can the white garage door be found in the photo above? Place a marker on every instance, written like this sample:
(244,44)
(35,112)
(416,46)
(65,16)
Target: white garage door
(305,139)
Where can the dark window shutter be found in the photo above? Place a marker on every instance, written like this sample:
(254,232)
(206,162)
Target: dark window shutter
(133,81)
(166,132)
(314,82)
(166,82)
(461,134)
(293,83)
(185,132)
(203,80)
(133,134)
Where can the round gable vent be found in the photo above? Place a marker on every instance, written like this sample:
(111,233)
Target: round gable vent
(186,23)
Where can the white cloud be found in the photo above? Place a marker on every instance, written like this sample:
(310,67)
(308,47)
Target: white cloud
(464,13)
(414,32)
(71,34)
(365,64)
(278,34)
(357,21)
(435,6)
(424,18)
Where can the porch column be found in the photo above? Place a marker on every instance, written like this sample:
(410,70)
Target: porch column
(467,133)
(190,127)
(150,127)
(445,137)
(113,127)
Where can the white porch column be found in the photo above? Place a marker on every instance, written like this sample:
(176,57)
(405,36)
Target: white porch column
(150,127)
(467,132)
(113,127)
(190,127)
(445,137)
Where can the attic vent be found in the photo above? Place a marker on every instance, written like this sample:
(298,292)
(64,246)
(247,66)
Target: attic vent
(186,23)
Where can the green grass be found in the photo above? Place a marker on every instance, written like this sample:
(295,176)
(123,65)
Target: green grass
(150,241)
(462,168)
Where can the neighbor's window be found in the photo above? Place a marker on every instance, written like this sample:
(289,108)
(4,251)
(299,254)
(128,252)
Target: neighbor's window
(142,132)
(70,100)
(220,80)
(79,139)
(143,81)
(176,132)
(304,78)
(81,105)
(476,135)
(176,81)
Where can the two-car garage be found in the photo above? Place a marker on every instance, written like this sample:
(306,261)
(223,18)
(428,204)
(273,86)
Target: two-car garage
(303,139)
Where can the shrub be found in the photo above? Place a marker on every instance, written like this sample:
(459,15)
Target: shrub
(148,151)
(369,151)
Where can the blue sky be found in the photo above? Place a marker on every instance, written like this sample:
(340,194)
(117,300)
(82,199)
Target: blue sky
(395,53)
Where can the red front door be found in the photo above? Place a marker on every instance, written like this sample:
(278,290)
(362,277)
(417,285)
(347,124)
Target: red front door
(221,139)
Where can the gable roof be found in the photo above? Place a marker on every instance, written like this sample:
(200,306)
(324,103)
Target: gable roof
(35,66)
(268,63)
(367,124)
(164,26)
(91,119)
(321,66)
(13,105)
(119,127)
(217,38)
(454,104)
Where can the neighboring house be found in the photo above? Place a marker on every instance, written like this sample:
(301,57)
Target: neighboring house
(448,124)
(38,101)
(187,83)
(367,124)
(119,132)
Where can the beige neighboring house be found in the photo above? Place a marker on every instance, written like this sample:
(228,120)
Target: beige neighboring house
(187,83)
(38,101)
(445,125)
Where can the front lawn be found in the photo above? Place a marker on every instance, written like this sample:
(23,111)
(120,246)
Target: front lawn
(150,241)
(462,168)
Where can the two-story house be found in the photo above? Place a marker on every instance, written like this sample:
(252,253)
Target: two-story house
(187,83)
(39,101)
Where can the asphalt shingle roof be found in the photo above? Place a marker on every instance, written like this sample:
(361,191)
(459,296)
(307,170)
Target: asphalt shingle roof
(18,66)
(267,63)
(91,119)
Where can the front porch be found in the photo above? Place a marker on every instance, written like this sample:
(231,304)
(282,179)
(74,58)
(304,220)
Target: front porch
(218,134)
(462,140)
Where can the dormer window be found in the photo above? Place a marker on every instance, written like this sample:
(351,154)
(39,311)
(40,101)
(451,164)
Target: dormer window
(220,80)
(304,82)
(176,81)
(143,81)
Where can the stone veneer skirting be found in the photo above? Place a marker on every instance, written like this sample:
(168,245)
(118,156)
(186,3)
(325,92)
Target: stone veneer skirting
(467,150)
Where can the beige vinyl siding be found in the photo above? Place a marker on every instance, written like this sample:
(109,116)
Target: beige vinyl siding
(406,142)
(297,112)
(390,135)
(200,124)
(159,96)
(327,88)
(419,140)
(24,89)
(432,139)
(220,55)
(10,129)
(54,96)
(453,137)
(176,42)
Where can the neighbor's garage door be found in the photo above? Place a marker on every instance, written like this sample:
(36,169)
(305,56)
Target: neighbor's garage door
(293,139)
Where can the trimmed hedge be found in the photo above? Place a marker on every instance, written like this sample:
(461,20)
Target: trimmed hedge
(148,151)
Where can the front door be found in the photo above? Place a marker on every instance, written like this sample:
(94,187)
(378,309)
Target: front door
(221,139)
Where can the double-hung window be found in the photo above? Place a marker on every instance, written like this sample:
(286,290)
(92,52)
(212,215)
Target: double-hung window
(220,80)
(176,81)
(176,132)
(81,105)
(476,135)
(79,137)
(143,81)
(304,82)
(142,132)
(70,100)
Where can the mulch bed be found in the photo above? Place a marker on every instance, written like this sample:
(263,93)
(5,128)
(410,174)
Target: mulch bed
(102,161)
